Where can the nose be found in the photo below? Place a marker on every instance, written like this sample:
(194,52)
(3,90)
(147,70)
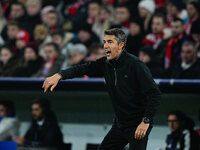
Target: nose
(105,45)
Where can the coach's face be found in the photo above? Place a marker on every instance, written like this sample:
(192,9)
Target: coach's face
(112,48)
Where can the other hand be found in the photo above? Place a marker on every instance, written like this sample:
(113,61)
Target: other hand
(141,131)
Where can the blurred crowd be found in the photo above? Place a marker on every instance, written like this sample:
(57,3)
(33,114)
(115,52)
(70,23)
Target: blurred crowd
(44,129)
(38,37)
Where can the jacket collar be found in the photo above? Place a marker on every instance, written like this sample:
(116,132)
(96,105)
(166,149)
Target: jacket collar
(118,61)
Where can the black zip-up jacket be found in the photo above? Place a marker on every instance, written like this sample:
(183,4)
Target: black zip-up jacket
(133,92)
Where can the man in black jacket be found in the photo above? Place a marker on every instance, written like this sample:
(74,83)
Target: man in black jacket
(134,94)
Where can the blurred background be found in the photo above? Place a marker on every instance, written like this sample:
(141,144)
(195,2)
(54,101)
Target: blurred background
(38,38)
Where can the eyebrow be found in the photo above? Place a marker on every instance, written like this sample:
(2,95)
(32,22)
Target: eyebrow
(108,40)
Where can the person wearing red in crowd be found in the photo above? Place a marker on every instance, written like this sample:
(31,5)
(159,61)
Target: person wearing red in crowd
(22,39)
(175,9)
(93,12)
(157,39)
(173,49)
(53,60)
(52,20)
(160,4)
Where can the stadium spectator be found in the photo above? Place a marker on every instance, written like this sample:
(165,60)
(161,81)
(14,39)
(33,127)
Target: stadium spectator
(17,12)
(9,124)
(159,36)
(86,36)
(12,30)
(189,66)
(104,21)
(53,60)
(77,53)
(136,34)
(146,11)
(93,12)
(180,137)
(52,20)
(195,33)
(123,17)
(42,37)
(44,13)
(193,10)
(22,40)
(40,18)
(74,12)
(160,5)
(2,24)
(31,62)
(175,9)
(33,8)
(96,51)
(173,49)
(146,55)
(8,64)
(61,39)
(44,130)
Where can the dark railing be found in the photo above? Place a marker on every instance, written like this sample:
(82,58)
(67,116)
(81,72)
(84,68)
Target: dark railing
(166,85)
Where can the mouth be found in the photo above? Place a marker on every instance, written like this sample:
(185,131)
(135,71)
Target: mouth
(108,53)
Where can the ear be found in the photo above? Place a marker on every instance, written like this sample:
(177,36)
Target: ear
(121,45)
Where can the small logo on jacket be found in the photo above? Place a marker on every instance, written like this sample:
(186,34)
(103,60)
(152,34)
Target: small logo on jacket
(125,76)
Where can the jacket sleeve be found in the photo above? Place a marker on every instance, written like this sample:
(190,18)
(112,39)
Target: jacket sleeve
(92,69)
(150,89)
(8,128)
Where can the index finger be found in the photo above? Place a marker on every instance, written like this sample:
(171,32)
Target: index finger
(46,87)
(44,83)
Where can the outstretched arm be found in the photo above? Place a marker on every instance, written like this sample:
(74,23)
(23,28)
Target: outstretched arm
(93,69)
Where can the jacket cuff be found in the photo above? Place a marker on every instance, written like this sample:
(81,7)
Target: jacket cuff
(60,75)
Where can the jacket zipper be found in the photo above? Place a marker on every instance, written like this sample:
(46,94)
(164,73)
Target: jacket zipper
(115,76)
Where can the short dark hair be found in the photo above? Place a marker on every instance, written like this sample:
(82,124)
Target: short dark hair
(178,20)
(14,23)
(122,6)
(118,33)
(196,5)
(10,107)
(179,115)
(95,2)
(162,16)
(20,4)
(56,47)
(44,104)
(189,43)
(58,32)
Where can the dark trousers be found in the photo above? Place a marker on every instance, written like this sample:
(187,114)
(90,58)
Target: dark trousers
(117,139)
